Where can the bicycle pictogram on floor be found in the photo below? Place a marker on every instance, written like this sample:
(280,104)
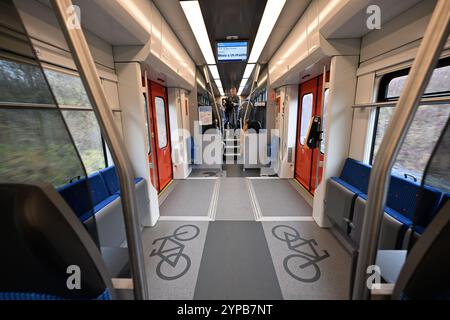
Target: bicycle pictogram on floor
(174,263)
(303,264)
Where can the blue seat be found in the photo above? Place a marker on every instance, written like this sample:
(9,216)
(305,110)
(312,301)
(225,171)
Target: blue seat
(342,192)
(87,196)
(78,197)
(99,191)
(356,174)
(110,177)
(9,296)
(406,201)
(103,186)
(412,201)
(112,181)
(444,200)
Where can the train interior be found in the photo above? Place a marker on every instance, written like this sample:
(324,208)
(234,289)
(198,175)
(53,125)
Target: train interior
(224,150)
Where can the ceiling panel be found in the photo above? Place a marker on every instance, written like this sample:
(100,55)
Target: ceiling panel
(355,27)
(291,13)
(174,15)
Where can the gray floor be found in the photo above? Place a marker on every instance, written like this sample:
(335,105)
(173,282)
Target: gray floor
(236,264)
(234,200)
(236,171)
(189,198)
(205,173)
(278,198)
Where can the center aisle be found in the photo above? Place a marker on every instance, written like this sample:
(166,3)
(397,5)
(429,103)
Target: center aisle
(234,201)
(236,264)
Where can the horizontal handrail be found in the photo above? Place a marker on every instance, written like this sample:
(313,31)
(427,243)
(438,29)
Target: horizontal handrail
(390,104)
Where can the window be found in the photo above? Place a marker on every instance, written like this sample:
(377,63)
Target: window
(23,83)
(324,119)
(427,125)
(307,106)
(68,89)
(161,122)
(80,118)
(87,137)
(438,85)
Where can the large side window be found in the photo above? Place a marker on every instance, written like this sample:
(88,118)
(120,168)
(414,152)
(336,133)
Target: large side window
(427,125)
(80,118)
(34,143)
(68,89)
(87,137)
(161,122)
(307,109)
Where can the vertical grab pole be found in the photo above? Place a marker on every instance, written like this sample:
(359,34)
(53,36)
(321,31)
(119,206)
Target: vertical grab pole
(255,80)
(211,92)
(88,73)
(428,54)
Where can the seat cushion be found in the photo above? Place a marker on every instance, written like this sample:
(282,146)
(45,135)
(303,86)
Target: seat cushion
(350,187)
(138,179)
(98,207)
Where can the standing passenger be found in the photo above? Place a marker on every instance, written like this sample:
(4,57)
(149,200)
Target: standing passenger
(233,110)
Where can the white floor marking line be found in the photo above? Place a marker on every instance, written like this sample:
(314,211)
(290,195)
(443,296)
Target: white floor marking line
(214,199)
(264,178)
(184,218)
(294,219)
(202,178)
(254,201)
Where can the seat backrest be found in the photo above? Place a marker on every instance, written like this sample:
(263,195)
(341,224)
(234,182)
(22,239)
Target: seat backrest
(444,200)
(99,191)
(356,174)
(403,197)
(110,177)
(41,240)
(77,196)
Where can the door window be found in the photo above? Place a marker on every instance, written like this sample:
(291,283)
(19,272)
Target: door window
(161,122)
(307,106)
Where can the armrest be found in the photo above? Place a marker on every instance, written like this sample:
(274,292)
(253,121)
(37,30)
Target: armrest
(384,292)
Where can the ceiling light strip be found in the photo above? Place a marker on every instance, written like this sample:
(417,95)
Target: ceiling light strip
(269,18)
(194,17)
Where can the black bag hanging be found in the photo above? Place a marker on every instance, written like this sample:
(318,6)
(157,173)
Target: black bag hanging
(313,138)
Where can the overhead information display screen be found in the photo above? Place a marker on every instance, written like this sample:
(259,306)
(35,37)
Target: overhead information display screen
(232,51)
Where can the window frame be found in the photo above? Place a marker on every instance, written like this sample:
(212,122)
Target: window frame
(382,97)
